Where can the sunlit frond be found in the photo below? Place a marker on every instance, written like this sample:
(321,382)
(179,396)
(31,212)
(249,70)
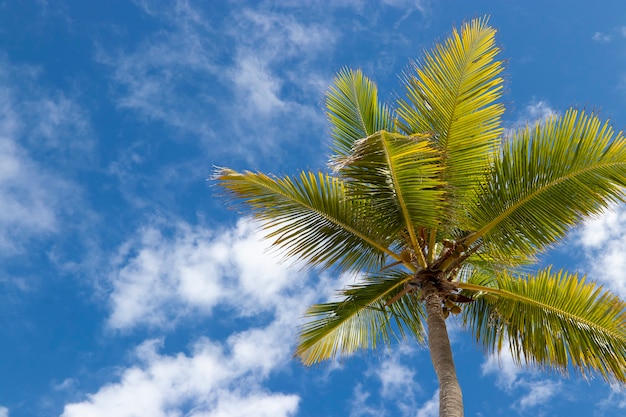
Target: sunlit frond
(354,111)
(312,219)
(548,179)
(452,94)
(361,320)
(552,320)
(400,175)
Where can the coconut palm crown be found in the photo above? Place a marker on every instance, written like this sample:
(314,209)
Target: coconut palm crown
(440,212)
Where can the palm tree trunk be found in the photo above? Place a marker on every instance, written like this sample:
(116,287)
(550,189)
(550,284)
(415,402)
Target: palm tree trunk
(450,396)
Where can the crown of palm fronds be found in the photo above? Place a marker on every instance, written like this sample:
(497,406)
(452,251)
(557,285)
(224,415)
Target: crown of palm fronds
(431,189)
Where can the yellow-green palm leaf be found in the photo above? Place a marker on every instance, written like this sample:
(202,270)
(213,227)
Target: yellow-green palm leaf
(354,111)
(312,218)
(547,179)
(452,96)
(552,320)
(361,320)
(400,176)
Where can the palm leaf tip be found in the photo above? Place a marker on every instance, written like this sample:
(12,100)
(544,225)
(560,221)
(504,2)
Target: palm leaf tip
(354,110)
(454,93)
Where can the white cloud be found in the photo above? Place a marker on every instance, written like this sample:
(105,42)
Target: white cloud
(212,381)
(273,73)
(65,385)
(396,379)
(509,379)
(4,412)
(420,5)
(601,37)
(539,110)
(38,129)
(168,273)
(615,400)
(359,406)
(258,86)
(27,207)
(535,111)
(160,278)
(430,407)
(603,240)
(540,392)
(503,365)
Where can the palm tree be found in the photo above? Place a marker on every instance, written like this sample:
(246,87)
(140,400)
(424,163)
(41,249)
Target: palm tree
(442,211)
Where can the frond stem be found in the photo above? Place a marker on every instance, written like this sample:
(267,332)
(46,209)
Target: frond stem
(421,260)
(432,240)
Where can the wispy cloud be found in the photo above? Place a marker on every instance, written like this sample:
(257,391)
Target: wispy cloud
(536,111)
(168,77)
(40,131)
(4,412)
(259,64)
(397,379)
(430,408)
(616,400)
(609,35)
(540,392)
(503,366)
(26,206)
(519,382)
(359,406)
(254,73)
(601,37)
(398,389)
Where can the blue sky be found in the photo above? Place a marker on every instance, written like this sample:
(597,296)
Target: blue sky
(128,288)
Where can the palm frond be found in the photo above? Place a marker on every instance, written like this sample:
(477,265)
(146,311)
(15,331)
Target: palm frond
(361,319)
(312,218)
(551,320)
(547,180)
(453,95)
(354,111)
(400,175)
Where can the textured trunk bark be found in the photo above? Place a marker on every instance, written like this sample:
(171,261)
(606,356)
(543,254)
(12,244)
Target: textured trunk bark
(450,396)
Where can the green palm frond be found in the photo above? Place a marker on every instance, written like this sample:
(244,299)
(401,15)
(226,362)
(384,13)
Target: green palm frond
(312,218)
(452,95)
(361,319)
(400,175)
(552,320)
(546,180)
(354,111)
